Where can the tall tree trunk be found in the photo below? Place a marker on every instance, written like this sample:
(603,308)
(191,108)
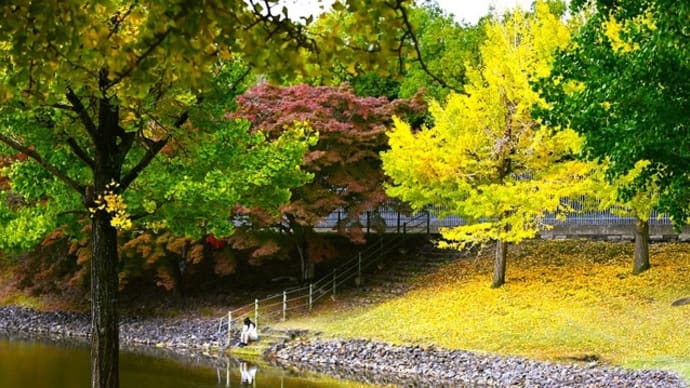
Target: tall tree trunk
(310,266)
(310,269)
(306,263)
(500,264)
(104,317)
(641,260)
(110,148)
(302,262)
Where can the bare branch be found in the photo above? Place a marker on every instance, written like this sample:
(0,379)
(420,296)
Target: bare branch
(49,167)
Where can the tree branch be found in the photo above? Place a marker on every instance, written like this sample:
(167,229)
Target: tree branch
(153,150)
(410,32)
(81,154)
(126,143)
(79,108)
(62,107)
(159,39)
(49,167)
(118,18)
(151,153)
(72,63)
(239,81)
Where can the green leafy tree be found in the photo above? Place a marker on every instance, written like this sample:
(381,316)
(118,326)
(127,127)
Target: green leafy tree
(638,205)
(95,92)
(485,159)
(415,57)
(622,84)
(440,52)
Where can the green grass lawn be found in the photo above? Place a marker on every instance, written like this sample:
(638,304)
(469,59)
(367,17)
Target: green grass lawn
(563,300)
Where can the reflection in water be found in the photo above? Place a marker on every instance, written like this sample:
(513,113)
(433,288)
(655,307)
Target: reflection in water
(247,374)
(29,364)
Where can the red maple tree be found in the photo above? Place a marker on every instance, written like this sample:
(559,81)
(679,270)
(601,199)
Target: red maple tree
(345,161)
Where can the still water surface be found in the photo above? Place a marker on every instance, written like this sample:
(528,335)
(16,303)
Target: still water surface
(27,364)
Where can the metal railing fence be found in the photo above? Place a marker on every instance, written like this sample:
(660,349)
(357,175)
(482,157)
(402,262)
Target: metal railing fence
(578,211)
(302,299)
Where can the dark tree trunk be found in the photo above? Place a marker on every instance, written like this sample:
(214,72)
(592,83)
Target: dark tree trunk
(641,260)
(307,266)
(105,336)
(301,239)
(500,264)
(310,269)
(104,317)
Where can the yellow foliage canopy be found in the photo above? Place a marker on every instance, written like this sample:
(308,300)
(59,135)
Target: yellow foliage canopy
(486,159)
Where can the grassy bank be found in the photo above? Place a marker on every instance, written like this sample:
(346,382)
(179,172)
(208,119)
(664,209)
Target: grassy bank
(564,300)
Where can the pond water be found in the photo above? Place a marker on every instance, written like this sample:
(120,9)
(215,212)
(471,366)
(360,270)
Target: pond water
(29,364)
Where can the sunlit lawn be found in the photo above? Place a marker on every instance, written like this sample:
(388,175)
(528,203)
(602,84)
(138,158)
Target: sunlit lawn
(563,300)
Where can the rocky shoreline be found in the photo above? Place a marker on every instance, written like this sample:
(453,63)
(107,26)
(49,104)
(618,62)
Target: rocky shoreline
(181,335)
(414,366)
(405,366)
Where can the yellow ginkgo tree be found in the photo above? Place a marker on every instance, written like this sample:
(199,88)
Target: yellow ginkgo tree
(486,159)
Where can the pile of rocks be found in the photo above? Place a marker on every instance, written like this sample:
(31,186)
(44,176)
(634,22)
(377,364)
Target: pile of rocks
(413,366)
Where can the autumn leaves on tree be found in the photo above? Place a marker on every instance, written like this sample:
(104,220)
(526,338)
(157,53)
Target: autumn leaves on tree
(344,162)
(120,122)
(486,158)
(99,95)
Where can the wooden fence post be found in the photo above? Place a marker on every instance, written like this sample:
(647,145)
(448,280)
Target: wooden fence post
(229,328)
(256,313)
(311,293)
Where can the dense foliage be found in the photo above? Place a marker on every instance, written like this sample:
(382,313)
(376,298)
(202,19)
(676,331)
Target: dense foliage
(345,160)
(486,159)
(95,93)
(621,83)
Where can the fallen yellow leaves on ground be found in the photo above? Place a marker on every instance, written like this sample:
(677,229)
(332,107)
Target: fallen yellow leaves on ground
(563,300)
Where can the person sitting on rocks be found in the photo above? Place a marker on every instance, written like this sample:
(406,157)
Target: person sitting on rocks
(248,332)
